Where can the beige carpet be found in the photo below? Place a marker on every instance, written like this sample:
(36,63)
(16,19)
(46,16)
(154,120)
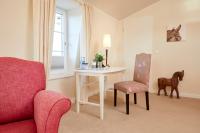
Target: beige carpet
(166,115)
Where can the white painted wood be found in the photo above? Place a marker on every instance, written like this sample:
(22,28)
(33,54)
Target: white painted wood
(78,83)
(105,86)
(94,71)
(101,74)
(101,90)
(89,103)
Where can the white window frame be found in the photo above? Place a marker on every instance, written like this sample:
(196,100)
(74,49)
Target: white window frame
(62,73)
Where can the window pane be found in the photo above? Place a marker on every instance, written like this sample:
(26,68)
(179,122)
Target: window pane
(58,22)
(57,42)
(57,62)
(57,53)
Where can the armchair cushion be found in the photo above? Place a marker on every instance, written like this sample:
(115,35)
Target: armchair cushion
(27,126)
(48,109)
(20,80)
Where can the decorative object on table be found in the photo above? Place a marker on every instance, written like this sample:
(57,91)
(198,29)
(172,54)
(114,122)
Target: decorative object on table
(99,60)
(83,63)
(176,34)
(106,45)
(82,60)
(84,66)
(93,64)
(173,82)
(140,82)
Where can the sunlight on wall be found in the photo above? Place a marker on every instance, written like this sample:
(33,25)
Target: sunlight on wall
(167,57)
(192,5)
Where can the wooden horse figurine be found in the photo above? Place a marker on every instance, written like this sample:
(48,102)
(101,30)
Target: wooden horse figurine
(173,82)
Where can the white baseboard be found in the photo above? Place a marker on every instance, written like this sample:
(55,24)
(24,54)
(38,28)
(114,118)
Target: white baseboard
(189,95)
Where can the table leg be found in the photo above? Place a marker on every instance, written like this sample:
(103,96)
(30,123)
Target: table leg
(105,86)
(101,87)
(77,93)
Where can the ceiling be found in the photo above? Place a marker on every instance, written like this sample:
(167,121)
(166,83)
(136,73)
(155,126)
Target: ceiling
(121,8)
(67,4)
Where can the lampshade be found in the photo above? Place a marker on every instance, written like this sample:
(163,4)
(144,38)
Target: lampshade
(107,41)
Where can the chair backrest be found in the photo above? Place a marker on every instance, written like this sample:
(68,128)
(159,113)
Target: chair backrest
(142,68)
(20,80)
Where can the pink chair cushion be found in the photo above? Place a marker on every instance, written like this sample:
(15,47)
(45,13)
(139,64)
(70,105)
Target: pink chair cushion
(27,126)
(20,80)
(140,81)
(142,68)
(130,87)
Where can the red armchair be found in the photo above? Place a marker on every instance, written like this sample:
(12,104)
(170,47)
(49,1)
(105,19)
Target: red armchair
(25,105)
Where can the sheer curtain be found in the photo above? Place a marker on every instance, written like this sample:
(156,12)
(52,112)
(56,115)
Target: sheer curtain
(86,32)
(85,40)
(43,23)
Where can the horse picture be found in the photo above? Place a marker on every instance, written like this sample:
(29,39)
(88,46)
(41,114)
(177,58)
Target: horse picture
(176,34)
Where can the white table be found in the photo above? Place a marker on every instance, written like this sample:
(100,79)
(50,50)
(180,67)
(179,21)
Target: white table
(101,74)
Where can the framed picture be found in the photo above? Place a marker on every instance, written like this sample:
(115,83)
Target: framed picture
(176,33)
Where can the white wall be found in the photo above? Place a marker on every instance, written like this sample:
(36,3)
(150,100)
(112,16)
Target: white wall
(138,33)
(105,24)
(16,28)
(146,31)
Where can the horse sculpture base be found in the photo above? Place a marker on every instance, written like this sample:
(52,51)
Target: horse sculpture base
(173,82)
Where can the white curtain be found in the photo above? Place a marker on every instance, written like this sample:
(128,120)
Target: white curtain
(85,39)
(43,23)
(86,32)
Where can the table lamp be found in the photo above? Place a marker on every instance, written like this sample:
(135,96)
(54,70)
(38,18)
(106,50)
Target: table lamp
(106,45)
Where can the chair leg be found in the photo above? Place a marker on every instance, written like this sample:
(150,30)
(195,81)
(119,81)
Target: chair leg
(115,97)
(127,104)
(135,98)
(147,100)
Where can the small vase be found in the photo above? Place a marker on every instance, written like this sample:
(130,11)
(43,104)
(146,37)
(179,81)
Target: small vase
(99,64)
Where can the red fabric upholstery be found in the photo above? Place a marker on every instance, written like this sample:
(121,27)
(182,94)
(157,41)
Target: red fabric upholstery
(20,80)
(22,97)
(48,109)
(27,126)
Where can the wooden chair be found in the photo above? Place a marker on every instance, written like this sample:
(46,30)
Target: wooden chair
(140,81)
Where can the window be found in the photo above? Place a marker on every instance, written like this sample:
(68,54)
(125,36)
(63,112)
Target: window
(59,34)
(65,50)
(59,50)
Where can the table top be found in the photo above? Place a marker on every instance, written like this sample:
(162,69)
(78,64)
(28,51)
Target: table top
(101,70)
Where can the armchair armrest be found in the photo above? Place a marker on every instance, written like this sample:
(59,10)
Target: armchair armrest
(48,110)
